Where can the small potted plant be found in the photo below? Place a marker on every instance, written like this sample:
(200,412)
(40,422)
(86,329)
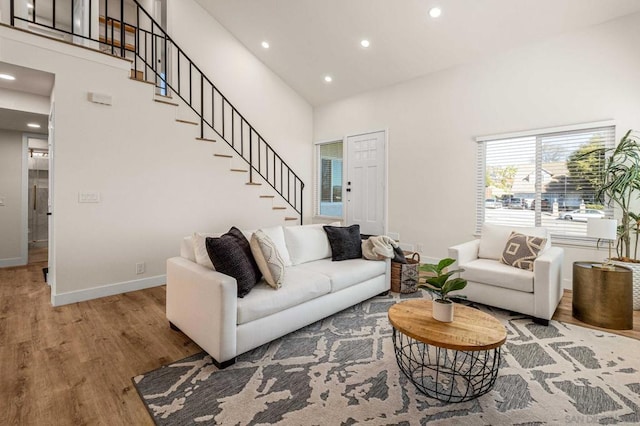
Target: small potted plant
(440,285)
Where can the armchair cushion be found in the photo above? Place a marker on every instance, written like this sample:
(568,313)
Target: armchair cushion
(488,271)
(522,250)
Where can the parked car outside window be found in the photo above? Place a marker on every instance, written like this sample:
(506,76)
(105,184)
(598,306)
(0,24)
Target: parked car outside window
(491,203)
(582,215)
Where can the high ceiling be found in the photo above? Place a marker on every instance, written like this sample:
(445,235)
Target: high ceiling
(312,38)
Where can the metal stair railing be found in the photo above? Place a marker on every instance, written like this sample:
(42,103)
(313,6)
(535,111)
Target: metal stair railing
(129,31)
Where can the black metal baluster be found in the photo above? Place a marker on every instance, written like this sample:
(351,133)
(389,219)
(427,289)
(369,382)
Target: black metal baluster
(250,154)
(201,106)
(122,43)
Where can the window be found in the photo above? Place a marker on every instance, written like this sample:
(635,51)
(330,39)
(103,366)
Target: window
(543,178)
(329,180)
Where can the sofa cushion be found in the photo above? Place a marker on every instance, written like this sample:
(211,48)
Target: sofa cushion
(522,250)
(299,286)
(345,242)
(306,243)
(348,272)
(268,258)
(231,255)
(198,241)
(494,238)
(492,272)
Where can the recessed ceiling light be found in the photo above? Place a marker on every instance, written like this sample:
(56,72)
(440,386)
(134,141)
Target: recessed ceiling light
(435,12)
(328,78)
(7,77)
(265,44)
(365,43)
(33,125)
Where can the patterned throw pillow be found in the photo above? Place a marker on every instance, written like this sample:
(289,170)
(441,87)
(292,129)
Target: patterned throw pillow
(231,255)
(268,258)
(522,250)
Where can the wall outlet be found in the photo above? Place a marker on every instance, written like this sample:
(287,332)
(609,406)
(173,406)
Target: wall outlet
(140,268)
(419,247)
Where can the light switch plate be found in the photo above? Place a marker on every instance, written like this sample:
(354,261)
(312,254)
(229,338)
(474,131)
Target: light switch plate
(89,197)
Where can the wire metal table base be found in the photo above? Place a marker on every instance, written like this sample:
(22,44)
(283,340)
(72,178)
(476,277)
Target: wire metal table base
(446,374)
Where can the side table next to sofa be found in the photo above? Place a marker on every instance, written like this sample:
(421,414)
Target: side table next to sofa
(603,296)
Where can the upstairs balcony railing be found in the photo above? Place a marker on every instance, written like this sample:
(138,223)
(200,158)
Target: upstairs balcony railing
(126,29)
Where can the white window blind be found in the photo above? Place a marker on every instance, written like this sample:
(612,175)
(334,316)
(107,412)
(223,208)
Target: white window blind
(543,178)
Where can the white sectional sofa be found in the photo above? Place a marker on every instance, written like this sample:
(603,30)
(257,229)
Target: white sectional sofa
(203,303)
(491,282)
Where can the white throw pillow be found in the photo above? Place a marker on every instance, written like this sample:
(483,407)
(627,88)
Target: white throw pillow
(268,258)
(276,233)
(200,249)
(494,238)
(307,243)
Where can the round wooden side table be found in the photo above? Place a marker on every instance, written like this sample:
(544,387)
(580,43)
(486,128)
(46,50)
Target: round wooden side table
(603,296)
(453,362)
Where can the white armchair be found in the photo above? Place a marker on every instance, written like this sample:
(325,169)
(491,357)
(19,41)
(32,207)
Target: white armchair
(536,293)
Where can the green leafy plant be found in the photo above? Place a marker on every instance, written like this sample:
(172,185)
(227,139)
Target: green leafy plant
(440,285)
(620,179)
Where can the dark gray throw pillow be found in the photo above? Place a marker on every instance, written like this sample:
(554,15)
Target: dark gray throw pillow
(229,256)
(344,241)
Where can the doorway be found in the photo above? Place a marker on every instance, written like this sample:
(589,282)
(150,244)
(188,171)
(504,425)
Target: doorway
(366,182)
(38,199)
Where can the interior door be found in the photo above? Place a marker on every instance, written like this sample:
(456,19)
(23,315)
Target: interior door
(365,183)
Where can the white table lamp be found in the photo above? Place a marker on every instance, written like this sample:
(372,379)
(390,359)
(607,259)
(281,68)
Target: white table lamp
(603,229)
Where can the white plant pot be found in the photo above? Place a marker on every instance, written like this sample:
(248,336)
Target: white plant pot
(442,310)
(635,267)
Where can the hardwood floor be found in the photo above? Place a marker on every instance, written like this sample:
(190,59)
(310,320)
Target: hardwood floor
(563,313)
(72,365)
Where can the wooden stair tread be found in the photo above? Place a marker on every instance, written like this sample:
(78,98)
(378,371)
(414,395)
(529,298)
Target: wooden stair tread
(267,196)
(179,120)
(162,101)
(239,170)
(253,183)
(290,218)
(223,155)
(205,139)
(279,208)
(116,24)
(116,43)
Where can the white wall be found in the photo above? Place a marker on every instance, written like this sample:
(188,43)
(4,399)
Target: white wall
(156,182)
(11,177)
(574,78)
(283,118)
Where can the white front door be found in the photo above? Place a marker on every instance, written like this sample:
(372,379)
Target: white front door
(365,183)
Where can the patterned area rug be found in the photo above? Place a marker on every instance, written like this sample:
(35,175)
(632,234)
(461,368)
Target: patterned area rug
(342,371)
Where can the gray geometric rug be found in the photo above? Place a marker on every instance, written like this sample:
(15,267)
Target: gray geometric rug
(342,371)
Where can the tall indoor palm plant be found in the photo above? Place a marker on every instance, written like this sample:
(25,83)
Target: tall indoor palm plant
(619,188)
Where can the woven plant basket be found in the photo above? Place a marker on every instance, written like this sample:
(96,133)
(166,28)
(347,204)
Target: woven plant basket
(635,267)
(404,276)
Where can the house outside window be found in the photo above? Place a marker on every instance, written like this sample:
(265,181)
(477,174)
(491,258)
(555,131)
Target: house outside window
(543,178)
(329,179)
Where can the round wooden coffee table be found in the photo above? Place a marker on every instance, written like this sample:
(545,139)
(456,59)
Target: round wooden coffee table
(452,362)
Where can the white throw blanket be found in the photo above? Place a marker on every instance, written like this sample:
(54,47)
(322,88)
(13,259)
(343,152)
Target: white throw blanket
(378,248)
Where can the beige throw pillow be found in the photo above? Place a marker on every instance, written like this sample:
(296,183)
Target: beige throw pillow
(268,258)
(522,250)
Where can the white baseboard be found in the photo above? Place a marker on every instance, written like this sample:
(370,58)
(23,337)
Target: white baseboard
(14,261)
(107,290)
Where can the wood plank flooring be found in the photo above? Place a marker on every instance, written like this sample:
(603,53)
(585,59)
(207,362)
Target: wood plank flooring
(72,365)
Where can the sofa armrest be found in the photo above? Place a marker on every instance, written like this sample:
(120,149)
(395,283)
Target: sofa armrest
(465,252)
(547,282)
(203,304)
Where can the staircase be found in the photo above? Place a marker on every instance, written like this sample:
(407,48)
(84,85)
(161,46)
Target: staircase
(129,31)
